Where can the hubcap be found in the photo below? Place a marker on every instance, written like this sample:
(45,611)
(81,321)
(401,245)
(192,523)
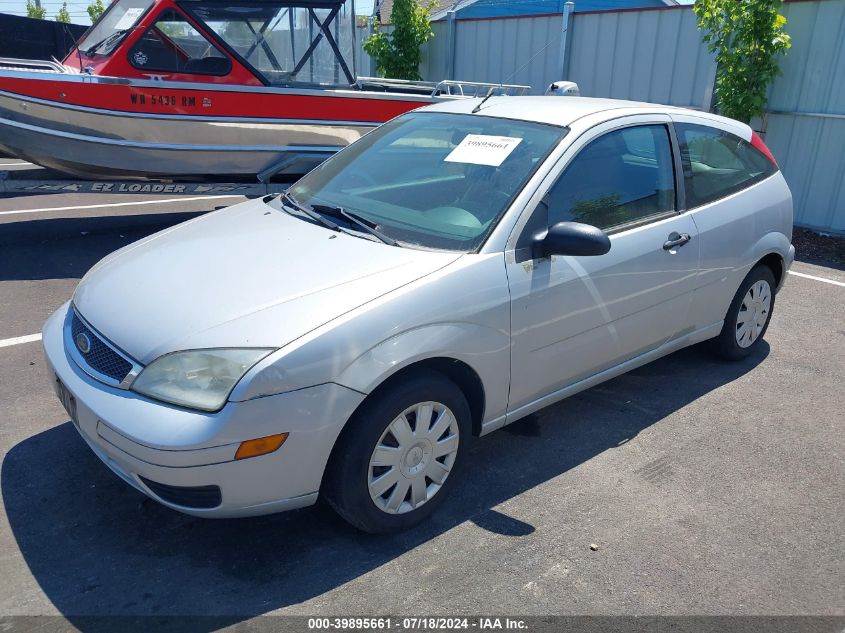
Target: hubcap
(753,313)
(413,457)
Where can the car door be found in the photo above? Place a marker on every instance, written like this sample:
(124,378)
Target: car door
(718,166)
(572,317)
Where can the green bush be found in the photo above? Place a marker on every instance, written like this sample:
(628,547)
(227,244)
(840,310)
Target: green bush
(746,36)
(397,54)
(63,15)
(95,10)
(35,11)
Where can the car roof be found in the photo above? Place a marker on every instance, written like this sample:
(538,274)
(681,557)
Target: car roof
(557,110)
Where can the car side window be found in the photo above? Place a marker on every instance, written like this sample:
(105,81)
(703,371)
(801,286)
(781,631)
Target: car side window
(172,44)
(717,163)
(621,177)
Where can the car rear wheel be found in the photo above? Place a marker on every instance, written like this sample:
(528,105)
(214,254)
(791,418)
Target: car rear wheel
(748,316)
(396,460)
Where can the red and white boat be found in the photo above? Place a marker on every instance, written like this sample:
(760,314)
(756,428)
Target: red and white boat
(202,89)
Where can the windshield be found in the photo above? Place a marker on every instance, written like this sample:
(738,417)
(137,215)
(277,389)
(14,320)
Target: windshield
(287,44)
(431,179)
(118,20)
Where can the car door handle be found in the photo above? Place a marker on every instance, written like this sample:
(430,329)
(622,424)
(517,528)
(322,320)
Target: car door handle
(676,239)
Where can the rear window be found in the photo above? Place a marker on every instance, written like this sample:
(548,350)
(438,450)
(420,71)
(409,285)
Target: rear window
(717,163)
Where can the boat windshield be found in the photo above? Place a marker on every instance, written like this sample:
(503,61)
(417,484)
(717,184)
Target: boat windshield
(287,43)
(110,29)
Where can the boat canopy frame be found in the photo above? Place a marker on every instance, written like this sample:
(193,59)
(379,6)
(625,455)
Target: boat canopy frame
(203,11)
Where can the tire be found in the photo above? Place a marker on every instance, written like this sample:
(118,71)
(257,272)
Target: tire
(756,292)
(355,474)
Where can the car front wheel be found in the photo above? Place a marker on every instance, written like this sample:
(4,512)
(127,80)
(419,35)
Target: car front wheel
(396,460)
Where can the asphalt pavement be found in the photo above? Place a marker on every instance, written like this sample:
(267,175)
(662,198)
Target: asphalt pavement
(689,486)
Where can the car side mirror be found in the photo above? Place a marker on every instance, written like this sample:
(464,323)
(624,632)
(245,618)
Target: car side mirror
(571,238)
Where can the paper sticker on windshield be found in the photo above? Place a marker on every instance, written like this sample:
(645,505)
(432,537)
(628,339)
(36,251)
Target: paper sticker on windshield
(480,149)
(129,18)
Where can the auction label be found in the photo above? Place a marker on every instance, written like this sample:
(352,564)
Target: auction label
(480,149)
(420,623)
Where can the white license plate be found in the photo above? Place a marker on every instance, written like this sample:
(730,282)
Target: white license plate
(68,401)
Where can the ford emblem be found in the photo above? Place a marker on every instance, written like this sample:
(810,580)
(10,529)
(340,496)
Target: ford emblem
(83,342)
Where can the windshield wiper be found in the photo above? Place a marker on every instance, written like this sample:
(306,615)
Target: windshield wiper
(365,224)
(287,199)
(93,48)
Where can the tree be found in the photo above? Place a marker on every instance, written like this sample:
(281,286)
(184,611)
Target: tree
(95,10)
(746,36)
(34,10)
(397,54)
(63,15)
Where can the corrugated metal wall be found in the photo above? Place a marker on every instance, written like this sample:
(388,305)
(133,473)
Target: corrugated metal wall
(511,50)
(657,55)
(515,50)
(435,54)
(806,125)
(362,60)
(652,56)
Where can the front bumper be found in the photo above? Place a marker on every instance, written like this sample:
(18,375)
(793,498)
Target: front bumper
(140,439)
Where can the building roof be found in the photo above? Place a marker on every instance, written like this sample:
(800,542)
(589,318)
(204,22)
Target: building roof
(509,8)
(467,9)
(384,7)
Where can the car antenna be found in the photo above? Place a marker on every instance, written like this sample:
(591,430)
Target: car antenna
(478,107)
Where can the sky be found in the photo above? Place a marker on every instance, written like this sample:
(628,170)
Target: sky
(77,9)
(79,14)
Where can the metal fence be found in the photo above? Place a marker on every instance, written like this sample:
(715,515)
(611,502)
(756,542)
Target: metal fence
(805,127)
(657,55)
(643,55)
(522,50)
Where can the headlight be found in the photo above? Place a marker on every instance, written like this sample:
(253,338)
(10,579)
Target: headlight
(198,379)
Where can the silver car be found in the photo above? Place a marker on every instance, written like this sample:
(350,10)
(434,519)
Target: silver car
(455,270)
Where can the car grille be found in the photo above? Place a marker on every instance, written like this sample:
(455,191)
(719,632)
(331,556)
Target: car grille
(100,357)
(186,496)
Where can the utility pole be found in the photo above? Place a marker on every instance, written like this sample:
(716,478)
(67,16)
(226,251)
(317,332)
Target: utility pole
(568,8)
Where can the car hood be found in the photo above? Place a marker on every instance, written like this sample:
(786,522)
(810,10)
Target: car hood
(246,276)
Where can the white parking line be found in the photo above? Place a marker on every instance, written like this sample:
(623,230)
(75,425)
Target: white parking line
(118,204)
(20,340)
(814,278)
(14,164)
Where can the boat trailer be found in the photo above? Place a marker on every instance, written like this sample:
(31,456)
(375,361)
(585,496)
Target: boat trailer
(22,182)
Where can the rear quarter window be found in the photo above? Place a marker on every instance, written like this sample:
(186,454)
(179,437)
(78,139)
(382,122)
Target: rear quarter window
(717,163)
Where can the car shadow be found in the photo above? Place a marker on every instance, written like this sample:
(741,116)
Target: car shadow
(65,248)
(99,548)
